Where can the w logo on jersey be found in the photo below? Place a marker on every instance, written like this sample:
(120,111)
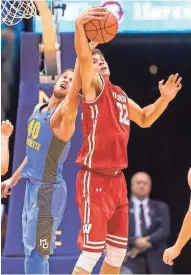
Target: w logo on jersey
(86,228)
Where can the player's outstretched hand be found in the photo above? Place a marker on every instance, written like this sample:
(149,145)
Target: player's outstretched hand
(170,254)
(93,45)
(97,13)
(6,128)
(170,89)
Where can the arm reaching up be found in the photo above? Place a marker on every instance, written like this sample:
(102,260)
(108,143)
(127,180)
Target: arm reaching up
(91,83)
(145,117)
(63,120)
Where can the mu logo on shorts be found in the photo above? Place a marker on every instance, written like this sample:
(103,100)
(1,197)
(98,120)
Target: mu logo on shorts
(86,228)
(44,243)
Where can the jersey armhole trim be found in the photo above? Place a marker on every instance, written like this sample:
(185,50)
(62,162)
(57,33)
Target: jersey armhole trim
(90,102)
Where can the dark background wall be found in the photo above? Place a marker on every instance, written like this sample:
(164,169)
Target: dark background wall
(164,150)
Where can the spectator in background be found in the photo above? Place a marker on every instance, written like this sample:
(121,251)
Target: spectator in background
(149,228)
(6,132)
(7,54)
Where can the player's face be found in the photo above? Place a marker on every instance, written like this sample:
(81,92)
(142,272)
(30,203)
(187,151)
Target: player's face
(141,186)
(101,65)
(63,84)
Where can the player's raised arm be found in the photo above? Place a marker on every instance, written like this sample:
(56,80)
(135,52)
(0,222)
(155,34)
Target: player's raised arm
(6,132)
(184,236)
(70,103)
(63,120)
(145,117)
(90,81)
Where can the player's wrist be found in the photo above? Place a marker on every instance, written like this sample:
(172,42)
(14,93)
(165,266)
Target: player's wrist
(79,23)
(165,99)
(177,247)
(5,137)
(14,180)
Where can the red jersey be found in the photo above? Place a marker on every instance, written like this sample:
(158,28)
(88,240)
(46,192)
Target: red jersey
(105,127)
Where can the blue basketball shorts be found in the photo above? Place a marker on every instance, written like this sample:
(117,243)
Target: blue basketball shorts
(43,211)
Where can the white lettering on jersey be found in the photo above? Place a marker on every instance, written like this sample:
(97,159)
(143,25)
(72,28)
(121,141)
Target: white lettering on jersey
(121,98)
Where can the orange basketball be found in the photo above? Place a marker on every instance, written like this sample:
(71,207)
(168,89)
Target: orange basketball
(102,31)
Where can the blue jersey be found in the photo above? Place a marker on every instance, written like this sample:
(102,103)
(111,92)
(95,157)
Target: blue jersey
(45,152)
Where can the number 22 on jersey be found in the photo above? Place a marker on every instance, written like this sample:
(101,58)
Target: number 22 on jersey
(123,113)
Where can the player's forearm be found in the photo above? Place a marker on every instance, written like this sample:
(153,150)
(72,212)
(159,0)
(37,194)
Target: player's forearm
(72,98)
(82,47)
(70,104)
(185,232)
(4,154)
(152,112)
(17,175)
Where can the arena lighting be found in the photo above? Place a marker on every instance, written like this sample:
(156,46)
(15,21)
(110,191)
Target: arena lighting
(153,69)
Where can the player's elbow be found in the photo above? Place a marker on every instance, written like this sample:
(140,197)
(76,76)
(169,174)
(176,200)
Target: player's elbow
(145,123)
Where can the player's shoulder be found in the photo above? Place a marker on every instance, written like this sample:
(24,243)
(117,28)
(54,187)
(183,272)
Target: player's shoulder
(121,91)
(37,107)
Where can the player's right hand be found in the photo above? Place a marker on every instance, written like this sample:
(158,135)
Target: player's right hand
(170,254)
(97,13)
(6,128)
(6,186)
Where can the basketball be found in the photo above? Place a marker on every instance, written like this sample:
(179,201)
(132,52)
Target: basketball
(102,31)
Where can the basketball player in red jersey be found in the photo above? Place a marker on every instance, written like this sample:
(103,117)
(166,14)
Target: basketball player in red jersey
(101,187)
(184,236)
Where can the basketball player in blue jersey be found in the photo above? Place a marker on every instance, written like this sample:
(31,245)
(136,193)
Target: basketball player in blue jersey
(50,128)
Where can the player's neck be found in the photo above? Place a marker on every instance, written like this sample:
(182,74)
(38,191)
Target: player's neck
(54,102)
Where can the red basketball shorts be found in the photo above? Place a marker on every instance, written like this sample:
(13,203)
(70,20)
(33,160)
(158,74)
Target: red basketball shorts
(103,208)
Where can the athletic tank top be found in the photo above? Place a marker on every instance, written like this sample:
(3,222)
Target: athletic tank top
(46,154)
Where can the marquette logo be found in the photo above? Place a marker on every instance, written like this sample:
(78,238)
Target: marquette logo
(33,144)
(44,243)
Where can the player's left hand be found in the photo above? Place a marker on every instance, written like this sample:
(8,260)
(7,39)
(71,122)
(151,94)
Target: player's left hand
(170,254)
(170,89)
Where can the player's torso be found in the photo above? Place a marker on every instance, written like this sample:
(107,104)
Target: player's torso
(45,152)
(106,126)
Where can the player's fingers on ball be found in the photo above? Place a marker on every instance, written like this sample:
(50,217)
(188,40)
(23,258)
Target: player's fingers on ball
(99,8)
(91,17)
(98,13)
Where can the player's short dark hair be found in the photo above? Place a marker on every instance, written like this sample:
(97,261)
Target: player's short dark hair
(97,51)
